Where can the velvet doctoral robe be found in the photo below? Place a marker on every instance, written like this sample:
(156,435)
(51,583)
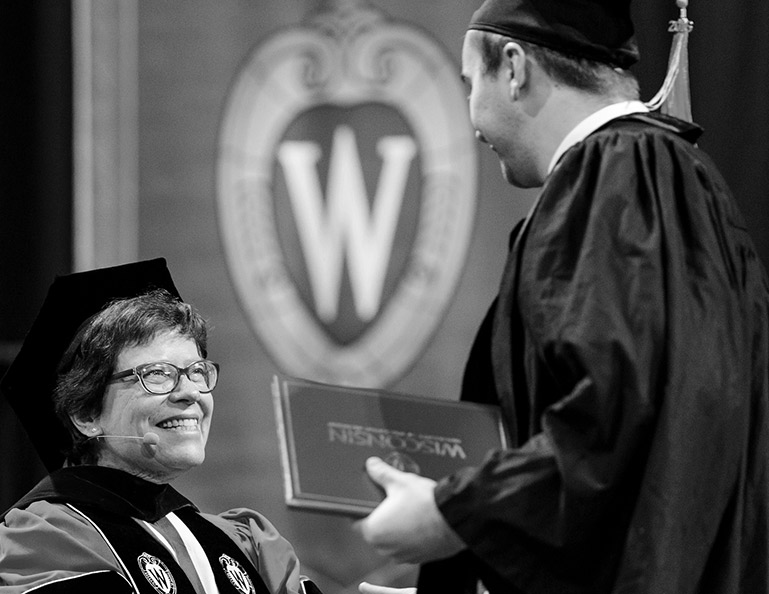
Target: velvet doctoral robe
(93,529)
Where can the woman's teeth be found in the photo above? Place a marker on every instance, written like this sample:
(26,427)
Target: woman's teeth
(179,424)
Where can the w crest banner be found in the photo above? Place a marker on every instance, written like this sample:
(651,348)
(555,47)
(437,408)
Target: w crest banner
(347,178)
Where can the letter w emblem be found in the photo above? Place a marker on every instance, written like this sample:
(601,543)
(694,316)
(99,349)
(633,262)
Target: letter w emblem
(347,226)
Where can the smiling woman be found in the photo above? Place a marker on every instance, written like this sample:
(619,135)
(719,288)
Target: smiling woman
(126,408)
(152,336)
(180,417)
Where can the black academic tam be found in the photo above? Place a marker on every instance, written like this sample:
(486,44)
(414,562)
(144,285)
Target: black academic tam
(71,300)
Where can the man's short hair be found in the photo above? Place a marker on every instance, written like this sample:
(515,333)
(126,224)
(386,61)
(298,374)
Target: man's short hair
(582,74)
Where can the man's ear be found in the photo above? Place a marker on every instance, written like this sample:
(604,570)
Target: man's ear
(515,63)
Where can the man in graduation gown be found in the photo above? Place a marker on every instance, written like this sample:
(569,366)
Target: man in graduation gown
(628,347)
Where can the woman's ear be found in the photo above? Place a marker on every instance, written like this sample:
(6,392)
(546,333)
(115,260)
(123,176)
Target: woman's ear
(86,426)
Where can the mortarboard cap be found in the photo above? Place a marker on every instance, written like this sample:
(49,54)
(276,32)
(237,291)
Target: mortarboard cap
(599,30)
(29,382)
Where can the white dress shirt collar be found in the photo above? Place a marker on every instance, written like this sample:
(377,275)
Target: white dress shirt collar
(591,123)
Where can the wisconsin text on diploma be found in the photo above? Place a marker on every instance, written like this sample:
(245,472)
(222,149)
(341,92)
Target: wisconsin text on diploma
(373,437)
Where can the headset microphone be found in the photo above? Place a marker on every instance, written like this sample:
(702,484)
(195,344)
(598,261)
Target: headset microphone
(149,438)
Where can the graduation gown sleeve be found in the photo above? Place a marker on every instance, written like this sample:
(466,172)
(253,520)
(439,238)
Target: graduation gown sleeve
(272,555)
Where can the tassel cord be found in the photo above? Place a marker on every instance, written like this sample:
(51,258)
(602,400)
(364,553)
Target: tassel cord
(681,29)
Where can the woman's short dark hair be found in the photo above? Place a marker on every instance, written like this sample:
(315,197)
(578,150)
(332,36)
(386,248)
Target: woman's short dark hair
(89,362)
(579,73)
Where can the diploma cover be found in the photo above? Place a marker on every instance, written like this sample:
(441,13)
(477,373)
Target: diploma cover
(326,433)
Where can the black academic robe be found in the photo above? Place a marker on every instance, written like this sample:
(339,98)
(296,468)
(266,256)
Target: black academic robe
(629,351)
(93,529)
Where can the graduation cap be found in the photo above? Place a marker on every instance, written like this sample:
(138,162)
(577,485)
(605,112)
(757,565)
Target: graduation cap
(30,380)
(599,30)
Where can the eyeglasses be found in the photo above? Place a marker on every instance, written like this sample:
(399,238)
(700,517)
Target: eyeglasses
(162,377)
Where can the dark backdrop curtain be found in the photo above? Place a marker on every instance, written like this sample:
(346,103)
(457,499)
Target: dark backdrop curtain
(729,67)
(35,193)
(729,73)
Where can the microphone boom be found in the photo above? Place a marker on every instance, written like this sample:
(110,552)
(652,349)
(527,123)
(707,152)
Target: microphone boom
(149,438)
